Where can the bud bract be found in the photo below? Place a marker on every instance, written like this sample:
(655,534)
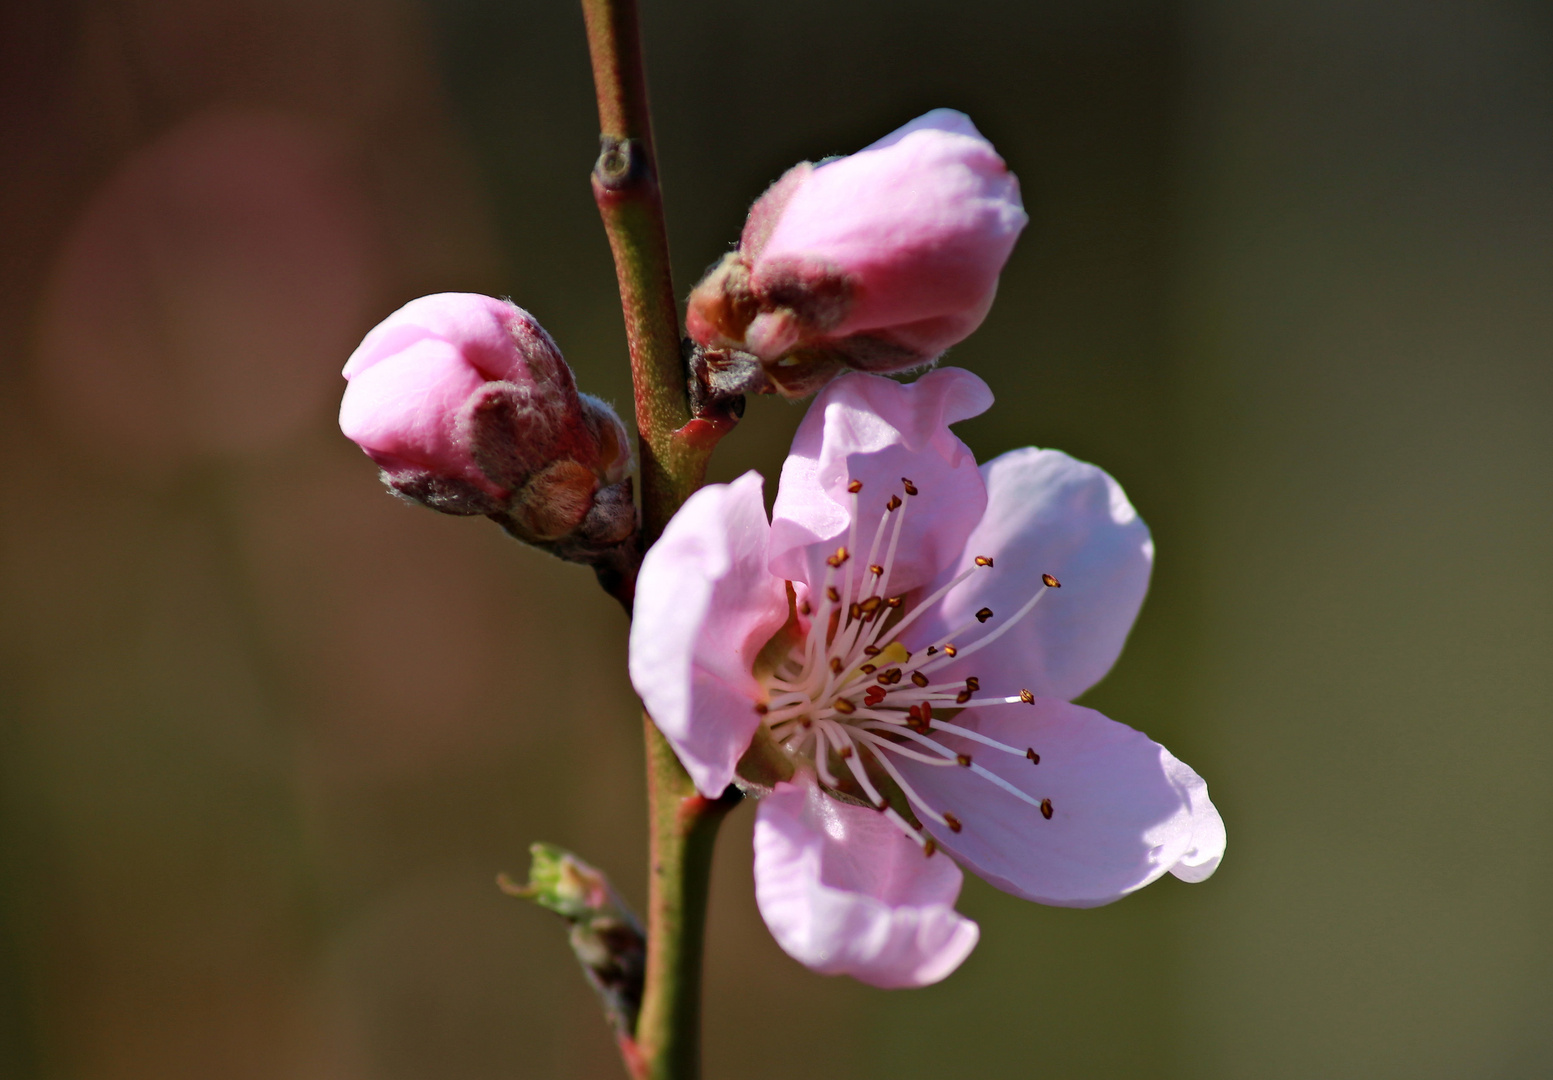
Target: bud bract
(878,261)
(467,406)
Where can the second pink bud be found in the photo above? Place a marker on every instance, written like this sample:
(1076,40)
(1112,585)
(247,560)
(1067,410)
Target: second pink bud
(878,261)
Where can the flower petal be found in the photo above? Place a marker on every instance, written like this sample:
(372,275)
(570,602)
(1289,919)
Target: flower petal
(401,408)
(1124,811)
(873,429)
(846,893)
(1047,513)
(705,605)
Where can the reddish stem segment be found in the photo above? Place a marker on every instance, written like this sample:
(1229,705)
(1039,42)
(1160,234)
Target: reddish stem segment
(674,451)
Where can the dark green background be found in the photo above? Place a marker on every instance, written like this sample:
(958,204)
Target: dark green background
(267,736)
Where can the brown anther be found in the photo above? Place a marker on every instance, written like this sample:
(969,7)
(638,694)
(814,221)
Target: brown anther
(1046,809)
(868,669)
(845,752)
(854,611)
(804,608)
(895,675)
(876,570)
(1027,697)
(835,664)
(953,822)
(915,712)
(872,604)
(927,717)
(871,650)
(843,706)
(894,504)
(928,847)
(982,560)
(841,556)
(884,804)
(918,679)
(950,650)
(1050,582)
(984,614)
(832,624)
(894,602)
(855,486)
(973,683)
(931,649)
(964,760)
(1035,759)
(806,722)
(962,697)
(911,489)
(832,594)
(761,708)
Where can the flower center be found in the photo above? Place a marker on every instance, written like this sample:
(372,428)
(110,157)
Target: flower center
(853,694)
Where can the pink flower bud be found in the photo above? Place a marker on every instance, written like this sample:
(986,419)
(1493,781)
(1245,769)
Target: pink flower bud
(878,261)
(467,406)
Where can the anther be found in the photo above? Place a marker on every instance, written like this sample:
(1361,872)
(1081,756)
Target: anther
(894,504)
(953,822)
(964,760)
(962,697)
(984,614)
(868,669)
(832,594)
(854,611)
(919,679)
(928,847)
(845,752)
(873,695)
(895,675)
(835,665)
(871,605)
(843,706)
(804,608)
(876,570)
(1050,582)
(911,489)
(1027,697)
(927,717)
(855,486)
(1035,759)
(950,650)
(761,708)
(871,650)
(973,683)
(931,649)
(982,560)
(1046,809)
(893,602)
(841,556)
(807,722)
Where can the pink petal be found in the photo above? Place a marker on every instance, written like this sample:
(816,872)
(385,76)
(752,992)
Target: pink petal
(493,334)
(705,605)
(401,408)
(873,429)
(1124,811)
(921,222)
(846,893)
(1046,514)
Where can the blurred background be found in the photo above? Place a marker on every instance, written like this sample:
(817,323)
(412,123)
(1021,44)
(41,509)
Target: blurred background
(267,735)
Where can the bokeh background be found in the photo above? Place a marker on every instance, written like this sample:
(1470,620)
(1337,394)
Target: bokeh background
(266,735)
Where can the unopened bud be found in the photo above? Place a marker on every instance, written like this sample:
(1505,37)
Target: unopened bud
(467,406)
(878,261)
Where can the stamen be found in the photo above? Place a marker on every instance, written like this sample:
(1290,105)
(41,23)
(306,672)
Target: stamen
(871,650)
(832,595)
(855,486)
(984,614)
(1046,809)
(953,822)
(918,679)
(1050,582)
(928,847)
(1035,759)
(835,664)
(876,570)
(1027,697)
(983,560)
(868,669)
(964,760)
(962,697)
(894,504)
(841,556)
(911,489)
(950,650)
(843,706)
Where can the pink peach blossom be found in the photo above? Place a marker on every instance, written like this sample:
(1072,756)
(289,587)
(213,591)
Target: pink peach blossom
(878,261)
(466,405)
(890,661)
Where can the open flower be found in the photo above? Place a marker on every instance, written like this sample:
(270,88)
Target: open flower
(891,660)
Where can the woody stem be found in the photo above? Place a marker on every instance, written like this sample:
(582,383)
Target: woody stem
(674,450)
